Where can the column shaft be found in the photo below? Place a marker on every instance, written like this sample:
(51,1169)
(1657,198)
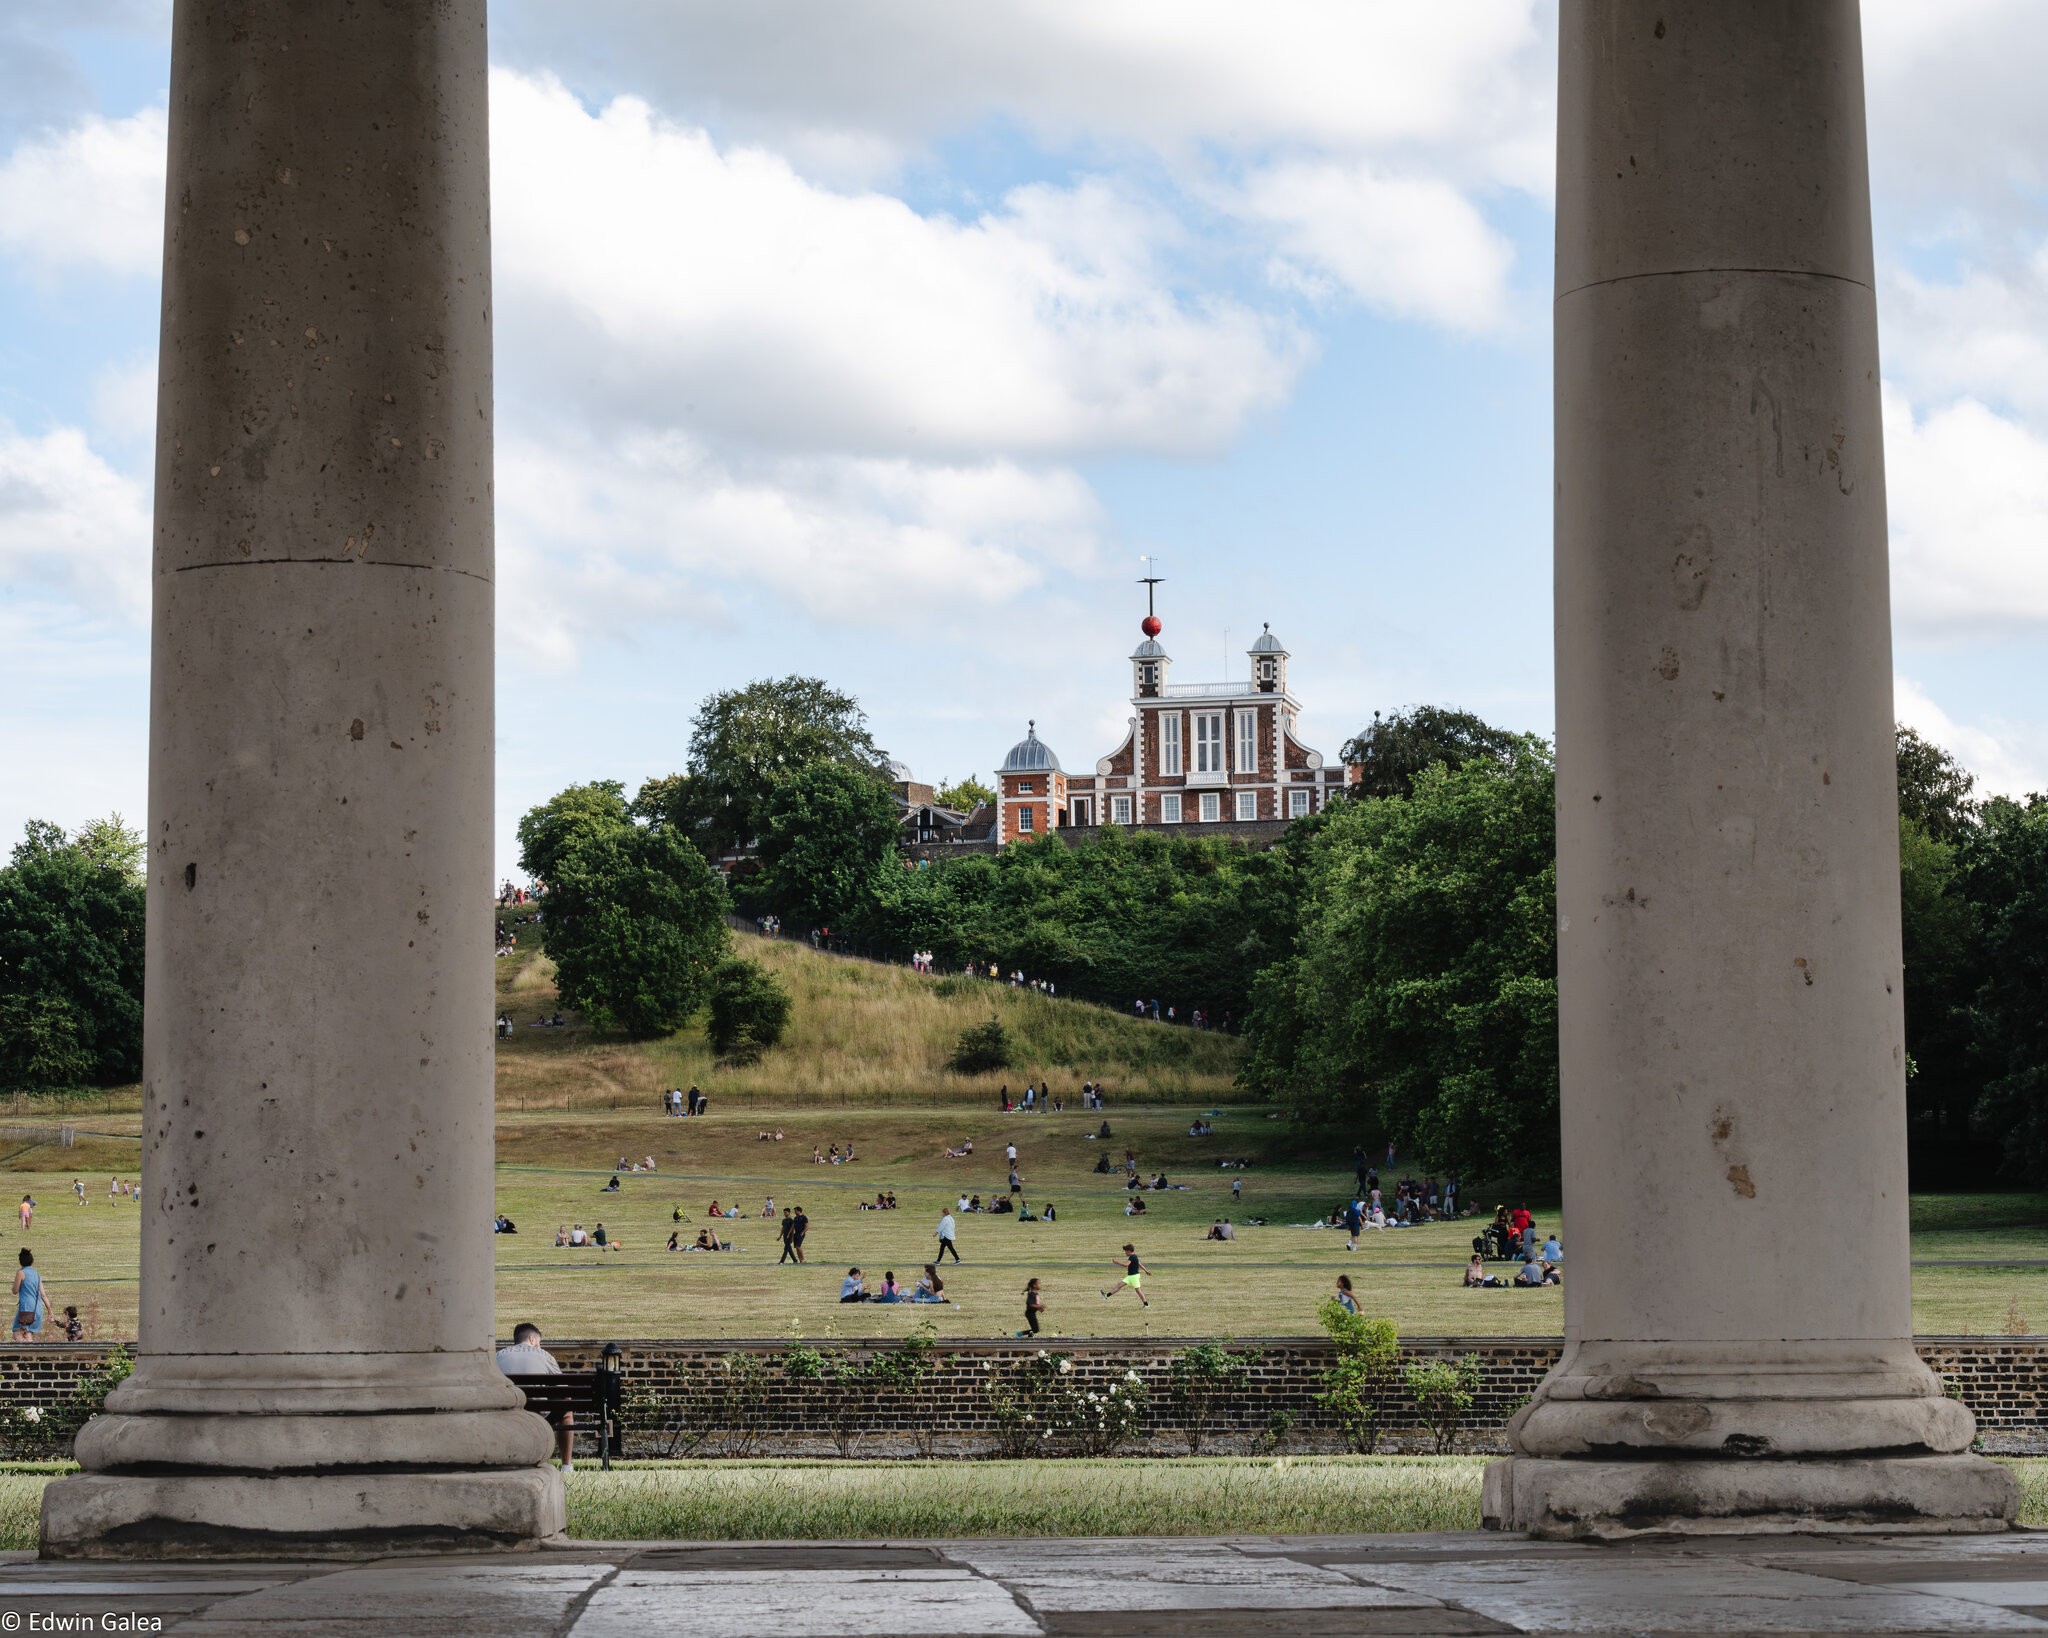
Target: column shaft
(316,1264)
(1738,1313)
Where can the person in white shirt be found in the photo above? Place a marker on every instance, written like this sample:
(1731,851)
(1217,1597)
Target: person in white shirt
(526,1357)
(946,1232)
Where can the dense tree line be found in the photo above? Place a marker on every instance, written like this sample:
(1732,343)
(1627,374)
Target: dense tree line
(71,926)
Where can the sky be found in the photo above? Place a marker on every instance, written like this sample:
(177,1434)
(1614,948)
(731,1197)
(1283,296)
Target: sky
(885,343)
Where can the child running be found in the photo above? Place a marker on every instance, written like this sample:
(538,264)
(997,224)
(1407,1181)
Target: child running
(1034,1305)
(1134,1276)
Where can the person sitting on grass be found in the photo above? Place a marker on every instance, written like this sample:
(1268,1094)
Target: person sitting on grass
(1024,1212)
(1221,1230)
(930,1288)
(832,1155)
(1135,1206)
(890,1291)
(974,1204)
(1102,1165)
(891,1206)
(673,1237)
(1476,1275)
(612,1187)
(577,1237)
(1531,1271)
(851,1289)
(1046,1213)
(562,1235)
(957,1154)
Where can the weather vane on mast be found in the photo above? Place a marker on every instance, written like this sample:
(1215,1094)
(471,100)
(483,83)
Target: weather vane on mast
(1150,625)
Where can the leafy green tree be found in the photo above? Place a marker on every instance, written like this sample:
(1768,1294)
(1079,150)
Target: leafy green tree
(547,833)
(749,1010)
(71,931)
(635,924)
(1943,943)
(827,834)
(1420,1002)
(964,795)
(1444,1391)
(747,742)
(2006,876)
(675,800)
(1934,788)
(1392,751)
(1358,1386)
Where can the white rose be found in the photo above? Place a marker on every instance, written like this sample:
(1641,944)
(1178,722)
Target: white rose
(32,1414)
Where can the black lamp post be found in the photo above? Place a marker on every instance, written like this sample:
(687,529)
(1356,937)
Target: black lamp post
(611,1432)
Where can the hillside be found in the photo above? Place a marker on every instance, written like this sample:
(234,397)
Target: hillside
(859,1033)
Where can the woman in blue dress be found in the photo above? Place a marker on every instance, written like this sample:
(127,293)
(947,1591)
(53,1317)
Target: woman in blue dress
(29,1306)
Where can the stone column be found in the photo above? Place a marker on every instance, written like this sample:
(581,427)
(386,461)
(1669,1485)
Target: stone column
(1738,1324)
(314,1371)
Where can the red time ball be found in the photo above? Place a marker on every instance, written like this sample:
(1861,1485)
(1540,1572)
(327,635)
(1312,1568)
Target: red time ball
(1150,625)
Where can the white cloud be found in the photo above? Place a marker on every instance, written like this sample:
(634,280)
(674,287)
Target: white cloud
(1349,77)
(2008,758)
(1983,332)
(1968,495)
(1410,247)
(645,272)
(653,527)
(72,524)
(91,197)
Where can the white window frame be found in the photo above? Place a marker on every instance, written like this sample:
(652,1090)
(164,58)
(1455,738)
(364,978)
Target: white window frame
(1247,805)
(1169,743)
(1023,820)
(1120,810)
(1169,808)
(1247,742)
(1212,807)
(1297,804)
(1208,742)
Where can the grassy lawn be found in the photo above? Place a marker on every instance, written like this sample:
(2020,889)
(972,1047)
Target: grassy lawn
(793,1500)
(553,1165)
(865,1066)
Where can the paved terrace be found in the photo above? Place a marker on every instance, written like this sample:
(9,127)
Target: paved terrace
(1274,1587)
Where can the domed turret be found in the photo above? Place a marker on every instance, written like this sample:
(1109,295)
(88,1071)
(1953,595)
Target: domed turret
(1269,663)
(1030,754)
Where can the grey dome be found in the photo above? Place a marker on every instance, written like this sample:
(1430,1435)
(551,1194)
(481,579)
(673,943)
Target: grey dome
(1030,755)
(900,773)
(1150,649)
(1268,644)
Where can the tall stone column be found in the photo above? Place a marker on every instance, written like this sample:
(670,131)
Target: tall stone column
(1738,1324)
(314,1370)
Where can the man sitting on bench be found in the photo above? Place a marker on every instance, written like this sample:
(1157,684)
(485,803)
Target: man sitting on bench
(526,1357)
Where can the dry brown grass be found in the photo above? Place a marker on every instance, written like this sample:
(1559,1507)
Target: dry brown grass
(860,1033)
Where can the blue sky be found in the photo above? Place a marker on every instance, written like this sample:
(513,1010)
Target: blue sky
(880,342)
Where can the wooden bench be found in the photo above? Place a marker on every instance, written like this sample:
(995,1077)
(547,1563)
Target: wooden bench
(592,1395)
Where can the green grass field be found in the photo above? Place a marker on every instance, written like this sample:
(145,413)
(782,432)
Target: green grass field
(865,1066)
(851,1501)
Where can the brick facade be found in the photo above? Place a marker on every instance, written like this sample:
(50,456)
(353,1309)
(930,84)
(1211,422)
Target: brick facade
(2003,1379)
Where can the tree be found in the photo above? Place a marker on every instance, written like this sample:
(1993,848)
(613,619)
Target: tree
(983,1049)
(548,832)
(2006,877)
(749,1010)
(746,742)
(1420,1001)
(635,924)
(964,795)
(675,800)
(1393,750)
(827,833)
(71,931)
(1934,788)
(1942,938)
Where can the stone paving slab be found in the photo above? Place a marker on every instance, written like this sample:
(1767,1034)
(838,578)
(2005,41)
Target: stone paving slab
(1268,1586)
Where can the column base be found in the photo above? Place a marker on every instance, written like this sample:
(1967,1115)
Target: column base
(1592,1500)
(299,1515)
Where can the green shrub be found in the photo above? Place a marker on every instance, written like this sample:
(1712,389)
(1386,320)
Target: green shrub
(34,1433)
(1356,1388)
(983,1048)
(1443,1390)
(1201,1376)
(749,1011)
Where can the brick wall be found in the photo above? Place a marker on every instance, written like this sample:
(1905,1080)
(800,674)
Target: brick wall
(2003,1379)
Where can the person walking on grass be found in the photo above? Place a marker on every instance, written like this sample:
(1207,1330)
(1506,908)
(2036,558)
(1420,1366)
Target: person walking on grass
(788,1238)
(799,1226)
(1134,1276)
(945,1234)
(1354,1220)
(30,1305)
(1034,1305)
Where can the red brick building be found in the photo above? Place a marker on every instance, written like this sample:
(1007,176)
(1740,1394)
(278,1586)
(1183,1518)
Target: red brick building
(1195,754)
